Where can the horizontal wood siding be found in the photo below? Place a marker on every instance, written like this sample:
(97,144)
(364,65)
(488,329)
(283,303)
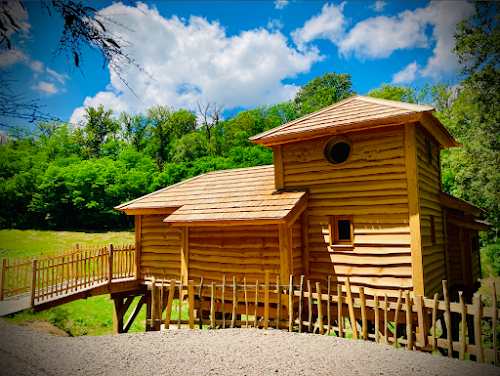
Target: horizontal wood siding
(241,251)
(476,259)
(433,253)
(297,248)
(455,254)
(372,188)
(160,248)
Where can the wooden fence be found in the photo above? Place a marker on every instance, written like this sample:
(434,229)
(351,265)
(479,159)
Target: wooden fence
(67,270)
(412,322)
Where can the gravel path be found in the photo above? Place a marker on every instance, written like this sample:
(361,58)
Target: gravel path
(223,352)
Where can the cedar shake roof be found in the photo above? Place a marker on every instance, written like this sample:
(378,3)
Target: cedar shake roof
(350,114)
(231,195)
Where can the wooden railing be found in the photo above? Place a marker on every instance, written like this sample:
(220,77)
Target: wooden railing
(413,322)
(67,270)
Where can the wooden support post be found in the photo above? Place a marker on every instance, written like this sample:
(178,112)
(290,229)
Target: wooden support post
(396,314)
(256,303)
(181,298)
(409,323)
(138,237)
(235,303)
(422,330)
(285,246)
(117,318)
(447,317)
(170,301)
(434,319)
(478,314)
(3,277)
(266,299)
(463,337)
(328,315)
(495,322)
(134,314)
(200,316)
(33,282)
(350,303)
(212,306)
(246,300)
(290,305)
(110,265)
(310,327)
(278,302)
(364,320)
(340,315)
(377,319)
(223,301)
(301,301)
(191,304)
(279,179)
(386,324)
(320,309)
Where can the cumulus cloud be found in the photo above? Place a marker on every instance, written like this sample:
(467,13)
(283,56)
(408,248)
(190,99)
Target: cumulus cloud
(406,75)
(378,37)
(274,24)
(280,4)
(378,6)
(59,77)
(329,24)
(36,66)
(12,57)
(45,87)
(195,59)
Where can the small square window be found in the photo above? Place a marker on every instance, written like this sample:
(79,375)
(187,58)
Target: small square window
(341,230)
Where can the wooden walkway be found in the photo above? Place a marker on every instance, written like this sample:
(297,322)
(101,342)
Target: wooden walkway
(21,302)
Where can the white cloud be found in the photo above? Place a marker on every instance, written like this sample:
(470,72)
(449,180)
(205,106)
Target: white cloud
(46,87)
(378,37)
(280,4)
(196,60)
(12,57)
(378,6)
(59,77)
(274,24)
(406,75)
(330,24)
(36,65)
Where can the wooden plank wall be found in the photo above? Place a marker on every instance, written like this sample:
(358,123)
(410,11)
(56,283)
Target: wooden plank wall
(372,187)
(455,255)
(476,258)
(241,251)
(429,183)
(297,248)
(160,248)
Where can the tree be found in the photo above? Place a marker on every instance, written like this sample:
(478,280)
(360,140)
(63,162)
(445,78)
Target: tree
(401,93)
(211,114)
(134,128)
(98,126)
(323,91)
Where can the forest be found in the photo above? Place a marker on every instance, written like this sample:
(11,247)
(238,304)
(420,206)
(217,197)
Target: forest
(66,176)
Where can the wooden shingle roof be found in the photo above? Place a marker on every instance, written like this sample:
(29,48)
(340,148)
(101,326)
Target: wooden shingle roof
(246,194)
(357,112)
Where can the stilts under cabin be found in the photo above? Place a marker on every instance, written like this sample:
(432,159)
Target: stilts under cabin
(355,191)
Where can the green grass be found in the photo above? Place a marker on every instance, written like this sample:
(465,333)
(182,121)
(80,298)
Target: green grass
(17,243)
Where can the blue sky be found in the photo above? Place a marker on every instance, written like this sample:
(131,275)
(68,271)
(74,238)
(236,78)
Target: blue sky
(241,53)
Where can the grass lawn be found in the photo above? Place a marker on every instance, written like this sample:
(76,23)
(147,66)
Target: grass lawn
(17,243)
(93,316)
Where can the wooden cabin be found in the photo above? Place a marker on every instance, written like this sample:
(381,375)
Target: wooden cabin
(355,191)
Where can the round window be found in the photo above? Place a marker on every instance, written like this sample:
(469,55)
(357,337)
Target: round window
(338,150)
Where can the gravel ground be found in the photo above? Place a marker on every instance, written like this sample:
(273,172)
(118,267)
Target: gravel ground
(223,352)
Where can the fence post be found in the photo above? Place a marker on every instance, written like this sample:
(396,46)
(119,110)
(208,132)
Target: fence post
(33,282)
(110,264)
(478,313)
(3,277)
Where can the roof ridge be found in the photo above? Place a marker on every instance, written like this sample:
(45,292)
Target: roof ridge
(237,169)
(271,131)
(397,104)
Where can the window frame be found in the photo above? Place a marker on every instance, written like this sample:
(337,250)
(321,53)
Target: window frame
(334,231)
(330,143)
